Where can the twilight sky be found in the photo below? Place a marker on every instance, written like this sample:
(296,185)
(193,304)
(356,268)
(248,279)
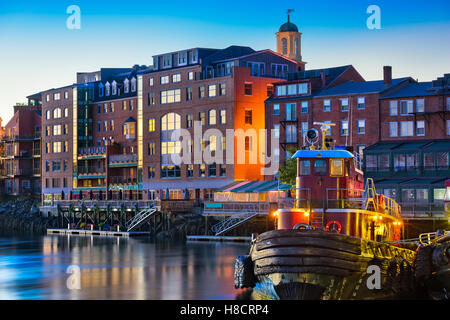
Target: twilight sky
(38,51)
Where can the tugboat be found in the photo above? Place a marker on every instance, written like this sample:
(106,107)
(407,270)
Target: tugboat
(334,240)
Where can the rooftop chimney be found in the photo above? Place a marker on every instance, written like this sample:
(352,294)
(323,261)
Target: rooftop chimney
(322,77)
(387,74)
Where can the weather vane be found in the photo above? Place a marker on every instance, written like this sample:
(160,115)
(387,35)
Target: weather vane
(288,13)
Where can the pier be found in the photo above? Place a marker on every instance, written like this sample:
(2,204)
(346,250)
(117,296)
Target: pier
(100,233)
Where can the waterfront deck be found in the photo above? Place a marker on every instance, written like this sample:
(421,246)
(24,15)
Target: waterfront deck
(99,233)
(218,239)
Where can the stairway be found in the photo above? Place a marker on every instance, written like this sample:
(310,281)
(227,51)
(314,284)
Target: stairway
(232,222)
(140,218)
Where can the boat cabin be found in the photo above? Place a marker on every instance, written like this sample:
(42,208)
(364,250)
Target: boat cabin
(330,195)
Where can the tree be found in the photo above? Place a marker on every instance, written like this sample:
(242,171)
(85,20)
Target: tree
(288,173)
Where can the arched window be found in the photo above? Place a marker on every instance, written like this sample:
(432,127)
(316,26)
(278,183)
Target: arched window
(126,85)
(133,85)
(108,89)
(114,88)
(284,46)
(296,47)
(169,146)
(57,113)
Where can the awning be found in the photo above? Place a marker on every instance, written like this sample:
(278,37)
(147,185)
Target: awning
(390,182)
(422,182)
(409,146)
(438,145)
(254,187)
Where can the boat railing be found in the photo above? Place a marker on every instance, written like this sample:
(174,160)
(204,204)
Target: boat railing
(230,208)
(431,237)
(294,198)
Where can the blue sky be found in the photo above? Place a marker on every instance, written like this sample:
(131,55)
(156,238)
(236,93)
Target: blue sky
(38,52)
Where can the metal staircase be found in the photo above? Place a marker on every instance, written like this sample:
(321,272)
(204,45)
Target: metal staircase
(141,217)
(232,222)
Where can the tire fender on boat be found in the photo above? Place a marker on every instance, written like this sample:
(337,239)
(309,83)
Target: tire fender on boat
(301,225)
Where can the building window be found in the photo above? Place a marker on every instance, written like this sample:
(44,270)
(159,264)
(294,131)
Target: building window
(223,116)
(189,121)
(202,171)
(276,109)
(248,144)
(164,79)
(212,90)
(176,78)
(212,170)
(291,89)
(281,91)
(393,108)
(326,105)
(150,82)
(151,173)
(222,89)
(151,149)
(151,125)
(407,128)
(420,105)
(361,103)
(344,128)
(191,75)
(202,117)
(212,117)
(291,134)
(248,90)
(420,128)
(66,112)
(48,115)
(303,88)
(57,130)
(189,170)
(304,107)
(393,129)
(151,99)
(361,126)
(269,90)
(171,96)
(291,112)
(57,147)
(248,117)
(201,92)
(344,105)
(223,170)
(304,128)
(114,88)
(57,113)
(406,107)
(448,127)
(189,94)
(57,96)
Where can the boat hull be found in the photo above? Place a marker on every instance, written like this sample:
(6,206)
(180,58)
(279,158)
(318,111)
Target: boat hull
(313,264)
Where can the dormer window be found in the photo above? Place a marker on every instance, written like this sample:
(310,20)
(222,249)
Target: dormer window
(167,61)
(114,88)
(126,85)
(101,90)
(108,89)
(133,85)
(182,58)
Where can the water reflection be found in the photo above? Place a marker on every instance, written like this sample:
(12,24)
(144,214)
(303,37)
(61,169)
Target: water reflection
(116,268)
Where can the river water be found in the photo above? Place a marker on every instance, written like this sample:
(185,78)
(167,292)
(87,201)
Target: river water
(36,268)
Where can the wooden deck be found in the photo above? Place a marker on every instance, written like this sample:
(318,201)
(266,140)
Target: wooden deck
(98,233)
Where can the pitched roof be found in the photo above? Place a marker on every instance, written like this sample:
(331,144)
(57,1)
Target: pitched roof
(414,89)
(352,87)
(231,52)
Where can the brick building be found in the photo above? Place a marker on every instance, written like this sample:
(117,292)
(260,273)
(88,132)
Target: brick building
(412,160)
(109,135)
(20,150)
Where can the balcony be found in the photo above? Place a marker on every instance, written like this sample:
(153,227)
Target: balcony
(407,171)
(123,160)
(16,172)
(92,153)
(123,181)
(91,172)
(18,138)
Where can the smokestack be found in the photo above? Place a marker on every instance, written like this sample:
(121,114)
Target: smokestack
(387,74)
(322,77)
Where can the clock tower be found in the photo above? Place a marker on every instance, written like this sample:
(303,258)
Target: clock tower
(289,42)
